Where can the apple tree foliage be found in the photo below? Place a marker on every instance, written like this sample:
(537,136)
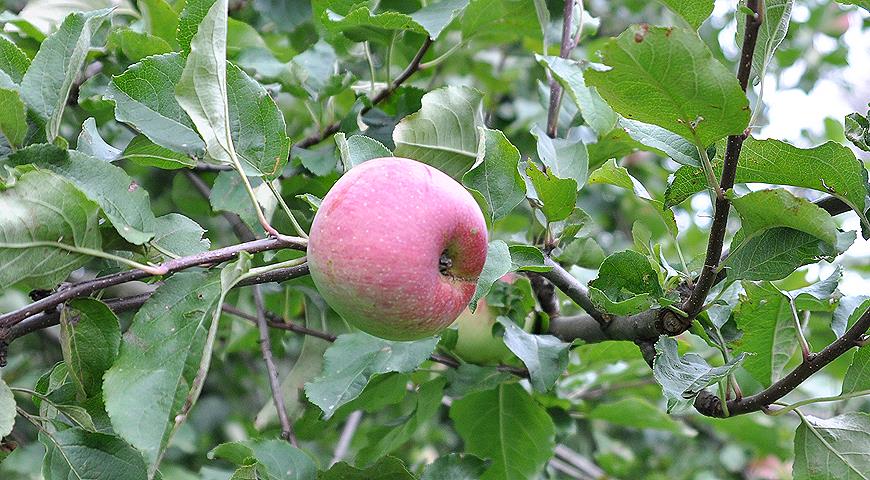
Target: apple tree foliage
(686,298)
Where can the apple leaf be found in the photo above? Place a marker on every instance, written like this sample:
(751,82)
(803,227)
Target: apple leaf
(43,206)
(694,12)
(564,157)
(144,152)
(777,252)
(848,311)
(545,356)
(470,378)
(527,258)
(661,140)
(496,175)
(147,386)
(383,440)
(350,362)
(356,149)
(50,77)
(91,143)
(498,263)
(556,195)
(144,97)
(635,412)
(683,377)
(455,466)
(435,17)
(125,204)
(386,468)
(160,19)
(501,424)
(857,377)
(13,61)
(444,132)
(765,209)
(7,409)
(271,458)
(596,112)
(830,168)
(360,24)
(858,130)
(500,21)
(644,84)
(137,45)
(89,343)
(179,236)
(626,284)
(771,32)
(13,117)
(833,448)
(71,452)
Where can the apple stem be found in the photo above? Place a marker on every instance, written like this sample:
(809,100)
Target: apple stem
(445,263)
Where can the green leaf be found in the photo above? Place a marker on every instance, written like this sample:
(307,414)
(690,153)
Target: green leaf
(765,209)
(858,130)
(501,21)
(455,466)
(350,362)
(694,12)
(148,385)
(643,84)
(634,412)
(497,264)
(125,204)
(13,60)
(557,195)
(360,24)
(189,22)
(91,143)
(470,378)
(160,19)
(176,234)
(274,459)
(387,468)
(769,334)
(865,4)
(848,311)
(137,45)
(7,409)
(13,117)
(771,32)
(444,132)
(228,194)
(662,140)
(683,377)
(596,112)
(832,449)
(144,152)
(77,453)
(43,206)
(47,83)
(563,157)
(384,439)
(90,338)
(527,258)
(626,284)
(858,375)
(356,149)
(144,97)
(496,175)
(502,425)
(238,120)
(777,252)
(830,168)
(435,17)
(545,356)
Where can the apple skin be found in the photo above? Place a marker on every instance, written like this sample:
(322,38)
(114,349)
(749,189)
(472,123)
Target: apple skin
(396,248)
(475,342)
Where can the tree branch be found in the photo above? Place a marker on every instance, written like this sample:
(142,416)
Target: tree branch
(575,290)
(274,385)
(564,52)
(379,97)
(86,287)
(707,279)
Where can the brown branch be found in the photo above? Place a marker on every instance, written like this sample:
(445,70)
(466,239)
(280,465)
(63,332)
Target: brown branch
(274,385)
(564,52)
(711,405)
(575,290)
(379,97)
(716,241)
(87,287)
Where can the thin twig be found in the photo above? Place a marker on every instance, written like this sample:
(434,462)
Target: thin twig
(347,434)
(274,385)
(564,52)
(242,231)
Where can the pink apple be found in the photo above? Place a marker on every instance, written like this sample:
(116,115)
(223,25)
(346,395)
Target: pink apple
(396,248)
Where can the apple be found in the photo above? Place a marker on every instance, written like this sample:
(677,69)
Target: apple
(475,342)
(396,248)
